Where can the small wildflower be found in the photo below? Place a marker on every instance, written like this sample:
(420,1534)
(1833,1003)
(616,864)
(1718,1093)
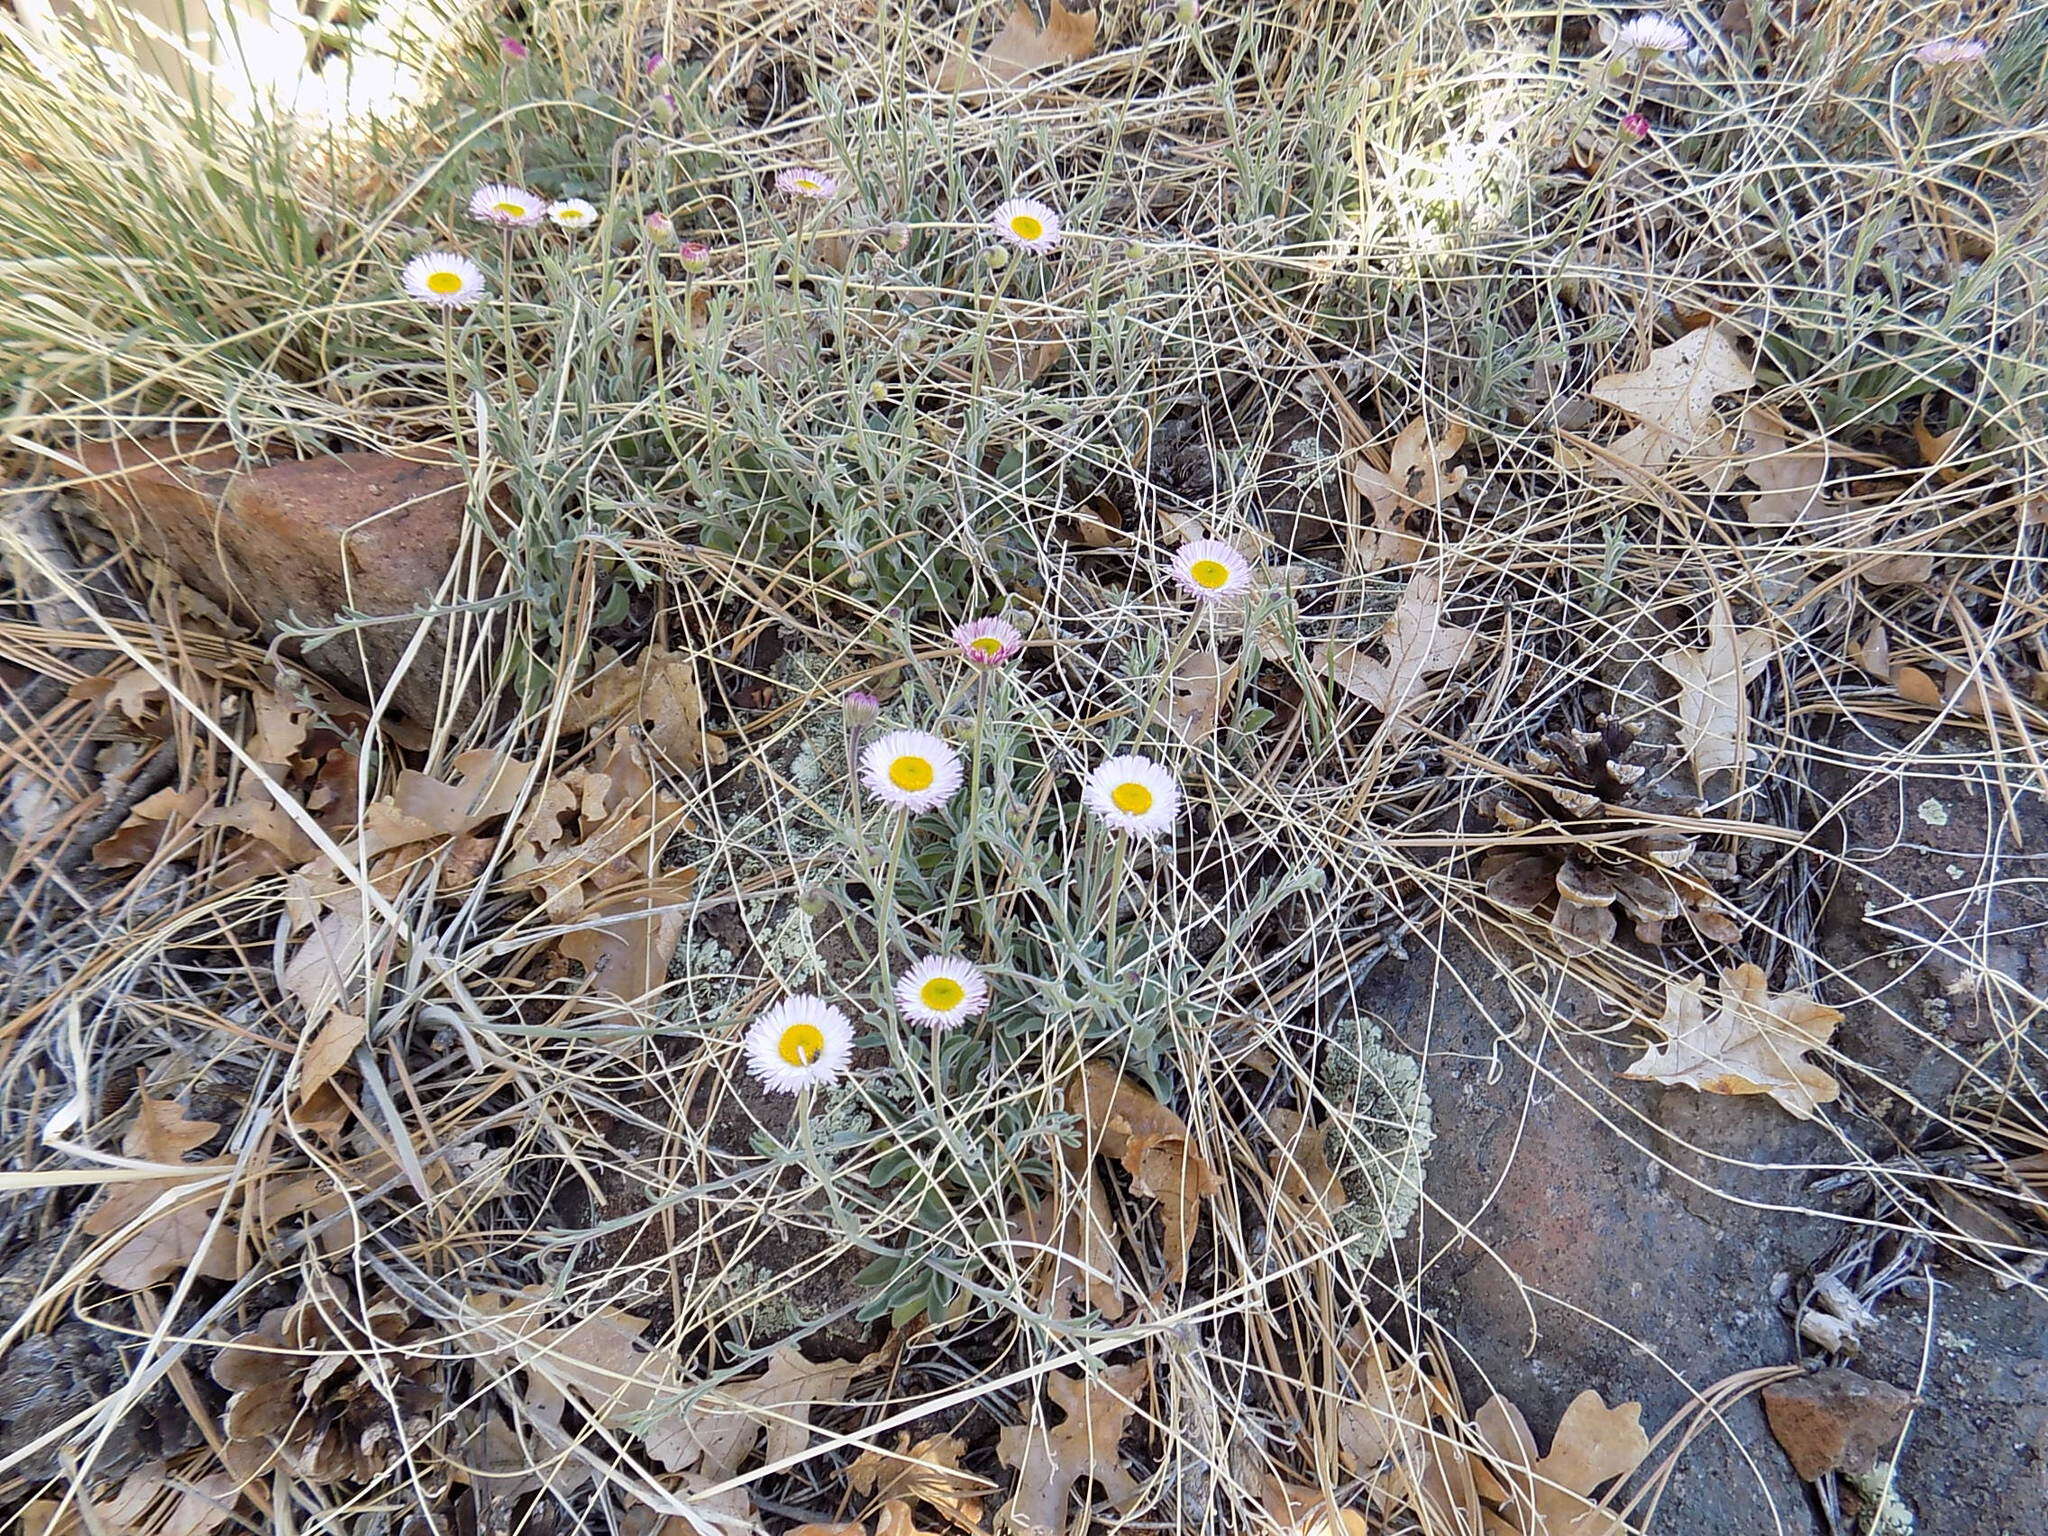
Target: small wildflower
(694,255)
(1209,569)
(572,213)
(499,202)
(987,642)
(660,227)
(1636,126)
(860,708)
(1027,224)
(443,278)
(1649,33)
(656,63)
(1132,794)
(802,1042)
(942,990)
(808,182)
(1950,52)
(912,770)
(513,49)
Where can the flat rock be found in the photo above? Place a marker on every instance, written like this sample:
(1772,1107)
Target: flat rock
(1580,1231)
(1837,1420)
(303,541)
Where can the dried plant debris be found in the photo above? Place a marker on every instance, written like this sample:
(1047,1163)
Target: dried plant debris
(1673,400)
(1593,832)
(1420,645)
(1753,1040)
(1713,690)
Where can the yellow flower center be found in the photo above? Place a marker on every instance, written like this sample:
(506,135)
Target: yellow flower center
(444,282)
(801,1044)
(511,210)
(1027,226)
(987,645)
(911,773)
(941,993)
(805,184)
(1209,574)
(1131,798)
(571,215)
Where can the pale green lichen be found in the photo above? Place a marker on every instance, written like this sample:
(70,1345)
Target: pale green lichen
(1887,1513)
(1379,1134)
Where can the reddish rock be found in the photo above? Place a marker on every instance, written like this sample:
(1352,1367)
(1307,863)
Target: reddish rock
(1837,1421)
(304,540)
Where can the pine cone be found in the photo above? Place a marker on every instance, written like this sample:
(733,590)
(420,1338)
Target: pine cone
(1604,853)
(330,1392)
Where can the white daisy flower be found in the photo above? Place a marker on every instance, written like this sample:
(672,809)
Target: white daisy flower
(572,213)
(1208,569)
(987,642)
(1027,224)
(913,770)
(1649,33)
(499,202)
(802,1042)
(1132,794)
(443,278)
(806,181)
(1948,52)
(942,990)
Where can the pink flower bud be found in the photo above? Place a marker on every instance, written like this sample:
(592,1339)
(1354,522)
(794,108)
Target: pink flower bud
(1636,126)
(513,48)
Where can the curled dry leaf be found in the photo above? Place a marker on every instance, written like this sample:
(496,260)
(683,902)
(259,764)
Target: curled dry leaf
(170,1238)
(1754,1041)
(153,819)
(927,1473)
(626,951)
(658,693)
(1415,476)
(1672,398)
(1077,1227)
(1024,46)
(1125,1122)
(1419,646)
(1311,1189)
(1713,691)
(1051,1459)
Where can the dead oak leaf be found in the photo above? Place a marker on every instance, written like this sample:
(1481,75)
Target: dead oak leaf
(1050,1459)
(927,1473)
(1788,476)
(1713,691)
(1073,1237)
(1415,476)
(174,1217)
(632,937)
(1551,1495)
(1754,1041)
(1024,46)
(1193,705)
(1311,1190)
(1420,645)
(659,694)
(1672,399)
(1125,1122)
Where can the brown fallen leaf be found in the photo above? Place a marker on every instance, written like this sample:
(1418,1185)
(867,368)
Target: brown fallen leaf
(1754,1041)
(1300,1511)
(1420,645)
(927,1473)
(620,820)
(625,959)
(1672,398)
(328,1051)
(326,971)
(153,819)
(1311,1189)
(1051,1459)
(1383,1404)
(1550,1496)
(484,784)
(1788,477)
(1125,1122)
(658,693)
(1024,46)
(175,1236)
(147,1502)
(1193,704)
(1078,1229)
(1713,691)
(1415,477)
